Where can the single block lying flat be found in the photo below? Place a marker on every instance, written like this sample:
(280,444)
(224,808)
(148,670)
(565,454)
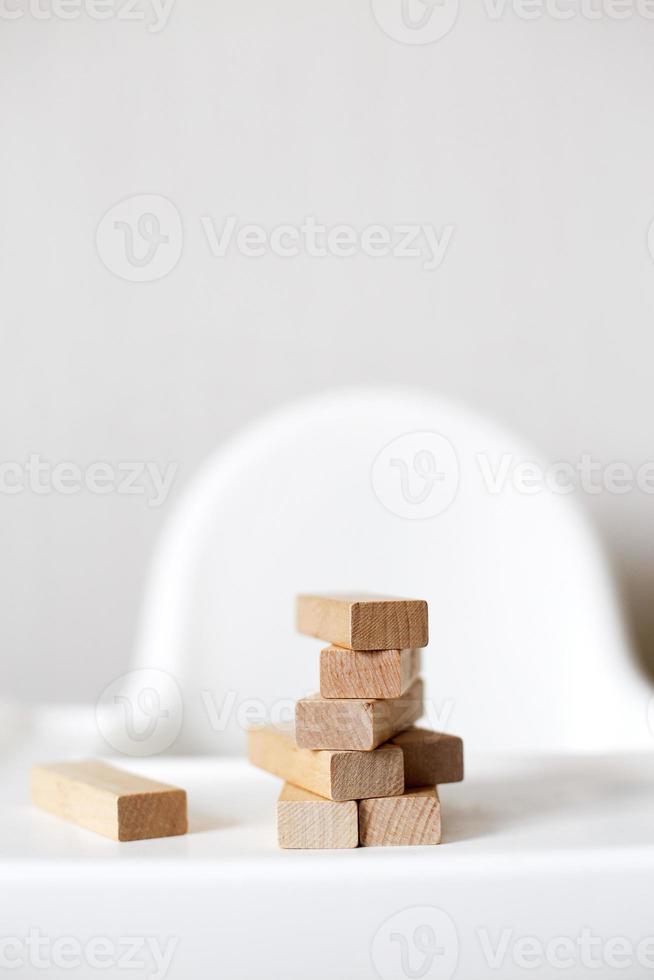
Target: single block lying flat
(334,775)
(430,758)
(364,622)
(368,673)
(350,723)
(307,820)
(413,818)
(110,801)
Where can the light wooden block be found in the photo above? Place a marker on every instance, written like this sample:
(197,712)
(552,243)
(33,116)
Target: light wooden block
(367,674)
(430,758)
(307,820)
(334,775)
(413,818)
(364,622)
(110,801)
(351,723)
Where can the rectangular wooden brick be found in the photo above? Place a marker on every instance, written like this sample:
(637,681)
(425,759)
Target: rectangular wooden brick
(430,758)
(110,801)
(413,818)
(367,674)
(364,622)
(305,820)
(335,775)
(351,723)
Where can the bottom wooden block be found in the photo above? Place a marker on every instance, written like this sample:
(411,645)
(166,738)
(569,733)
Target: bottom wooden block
(110,801)
(413,818)
(310,821)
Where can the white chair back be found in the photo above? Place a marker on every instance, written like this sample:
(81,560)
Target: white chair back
(400,493)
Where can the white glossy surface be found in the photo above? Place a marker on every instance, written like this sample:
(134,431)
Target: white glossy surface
(542,847)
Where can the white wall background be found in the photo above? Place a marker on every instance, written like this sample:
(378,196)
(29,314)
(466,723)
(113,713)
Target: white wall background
(532,138)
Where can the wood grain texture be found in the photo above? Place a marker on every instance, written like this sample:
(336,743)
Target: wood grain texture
(352,723)
(309,821)
(334,775)
(110,801)
(364,622)
(413,818)
(367,674)
(430,758)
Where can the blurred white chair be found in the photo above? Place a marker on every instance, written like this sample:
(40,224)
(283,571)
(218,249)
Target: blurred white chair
(527,648)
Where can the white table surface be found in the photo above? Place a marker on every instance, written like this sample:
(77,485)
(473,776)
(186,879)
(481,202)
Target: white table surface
(543,848)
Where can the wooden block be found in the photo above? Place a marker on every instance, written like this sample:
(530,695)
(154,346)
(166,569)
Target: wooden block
(340,723)
(307,820)
(367,674)
(110,801)
(364,622)
(430,758)
(334,775)
(413,818)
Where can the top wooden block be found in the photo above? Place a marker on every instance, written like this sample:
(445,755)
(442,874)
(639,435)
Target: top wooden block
(364,622)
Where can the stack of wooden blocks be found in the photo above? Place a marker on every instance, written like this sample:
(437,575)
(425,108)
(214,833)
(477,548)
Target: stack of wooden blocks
(356,771)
